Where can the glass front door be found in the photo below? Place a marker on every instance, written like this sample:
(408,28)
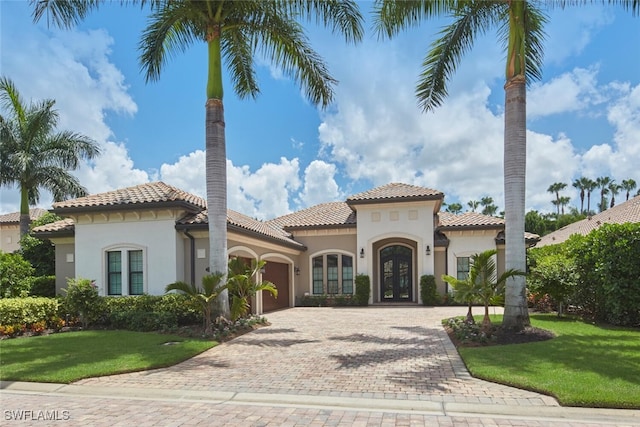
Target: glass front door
(396,273)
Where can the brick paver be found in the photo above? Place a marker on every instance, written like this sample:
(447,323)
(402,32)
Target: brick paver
(376,366)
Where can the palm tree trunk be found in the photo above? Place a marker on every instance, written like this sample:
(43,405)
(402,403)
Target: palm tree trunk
(516,315)
(216,172)
(25,218)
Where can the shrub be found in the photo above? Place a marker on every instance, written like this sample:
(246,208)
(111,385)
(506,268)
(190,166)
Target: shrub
(19,314)
(15,276)
(83,300)
(314,301)
(44,286)
(429,290)
(554,275)
(363,289)
(143,321)
(608,270)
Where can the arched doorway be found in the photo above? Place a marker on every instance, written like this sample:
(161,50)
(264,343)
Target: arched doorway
(396,273)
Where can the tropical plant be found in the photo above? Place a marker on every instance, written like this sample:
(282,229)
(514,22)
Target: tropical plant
(473,205)
(563,202)
(589,187)
(33,155)
(235,31)
(555,188)
(520,26)
(243,284)
(583,184)
(454,208)
(463,291)
(614,189)
(488,208)
(603,184)
(628,185)
(212,287)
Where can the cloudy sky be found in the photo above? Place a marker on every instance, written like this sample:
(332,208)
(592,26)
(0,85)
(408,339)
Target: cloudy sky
(285,154)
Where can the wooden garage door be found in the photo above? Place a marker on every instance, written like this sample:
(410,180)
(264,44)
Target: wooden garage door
(278,274)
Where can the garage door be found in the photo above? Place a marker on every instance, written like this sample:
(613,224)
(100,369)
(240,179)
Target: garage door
(278,274)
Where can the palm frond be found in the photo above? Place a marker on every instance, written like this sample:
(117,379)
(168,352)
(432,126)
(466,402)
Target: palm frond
(391,16)
(236,48)
(343,16)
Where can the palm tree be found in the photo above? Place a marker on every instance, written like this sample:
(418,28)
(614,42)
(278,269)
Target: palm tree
(589,187)
(555,188)
(473,205)
(563,201)
(488,208)
(34,155)
(464,292)
(454,208)
(235,30)
(628,185)
(520,29)
(582,184)
(243,284)
(212,287)
(603,184)
(614,189)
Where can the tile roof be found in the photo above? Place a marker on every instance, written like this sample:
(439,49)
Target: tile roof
(150,193)
(448,220)
(14,217)
(244,222)
(628,211)
(394,192)
(331,214)
(63,225)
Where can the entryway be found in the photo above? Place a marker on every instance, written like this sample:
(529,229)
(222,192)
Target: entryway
(396,273)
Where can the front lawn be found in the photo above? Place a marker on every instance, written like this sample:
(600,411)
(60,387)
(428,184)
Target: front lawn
(70,356)
(585,365)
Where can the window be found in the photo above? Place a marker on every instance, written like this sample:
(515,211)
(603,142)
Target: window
(125,271)
(338,271)
(114,273)
(136,284)
(462,268)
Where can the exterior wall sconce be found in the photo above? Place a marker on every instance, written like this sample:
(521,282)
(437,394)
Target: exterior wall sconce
(361,252)
(428,251)
(296,270)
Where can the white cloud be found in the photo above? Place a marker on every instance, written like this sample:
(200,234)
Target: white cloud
(319,184)
(188,173)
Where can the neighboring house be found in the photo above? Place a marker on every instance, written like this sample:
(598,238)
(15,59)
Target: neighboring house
(10,229)
(137,240)
(628,211)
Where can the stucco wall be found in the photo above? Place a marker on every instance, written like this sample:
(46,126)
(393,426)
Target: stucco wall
(440,268)
(157,238)
(65,265)
(466,243)
(9,237)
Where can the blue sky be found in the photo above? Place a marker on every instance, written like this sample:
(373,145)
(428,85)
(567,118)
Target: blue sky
(285,154)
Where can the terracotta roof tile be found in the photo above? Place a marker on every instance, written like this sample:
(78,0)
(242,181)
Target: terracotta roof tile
(245,222)
(12,217)
(154,192)
(329,214)
(628,211)
(468,220)
(395,191)
(66,224)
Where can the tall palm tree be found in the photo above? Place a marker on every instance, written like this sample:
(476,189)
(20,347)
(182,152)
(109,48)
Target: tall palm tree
(581,184)
(34,155)
(563,202)
(628,185)
(473,205)
(589,187)
(556,188)
(614,189)
(520,30)
(235,31)
(603,184)
(454,208)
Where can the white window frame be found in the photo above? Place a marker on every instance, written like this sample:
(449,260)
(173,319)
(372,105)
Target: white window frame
(124,251)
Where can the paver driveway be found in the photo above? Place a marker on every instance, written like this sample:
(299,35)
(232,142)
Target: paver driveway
(397,353)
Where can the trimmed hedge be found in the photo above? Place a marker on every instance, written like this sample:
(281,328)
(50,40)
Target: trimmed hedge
(429,290)
(28,311)
(44,286)
(363,289)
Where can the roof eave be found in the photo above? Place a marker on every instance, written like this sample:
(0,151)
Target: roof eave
(127,206)
(395,200)
(317,227)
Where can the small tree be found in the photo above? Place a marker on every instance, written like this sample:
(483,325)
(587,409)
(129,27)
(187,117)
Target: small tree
(15,276)
(206,295)
(464,292)
(554,275)
(83,299)
(242,286)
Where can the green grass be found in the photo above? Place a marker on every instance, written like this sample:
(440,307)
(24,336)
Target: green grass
(585,365)
(70,356)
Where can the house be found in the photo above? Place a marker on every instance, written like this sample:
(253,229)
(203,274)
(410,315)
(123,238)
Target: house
(628,211)
(137,240)
(10,229)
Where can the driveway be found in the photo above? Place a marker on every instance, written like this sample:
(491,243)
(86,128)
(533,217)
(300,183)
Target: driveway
(399,353)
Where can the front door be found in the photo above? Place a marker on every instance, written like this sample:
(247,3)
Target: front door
(396,273)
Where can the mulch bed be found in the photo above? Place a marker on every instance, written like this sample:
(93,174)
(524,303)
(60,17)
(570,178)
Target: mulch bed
(504,337)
